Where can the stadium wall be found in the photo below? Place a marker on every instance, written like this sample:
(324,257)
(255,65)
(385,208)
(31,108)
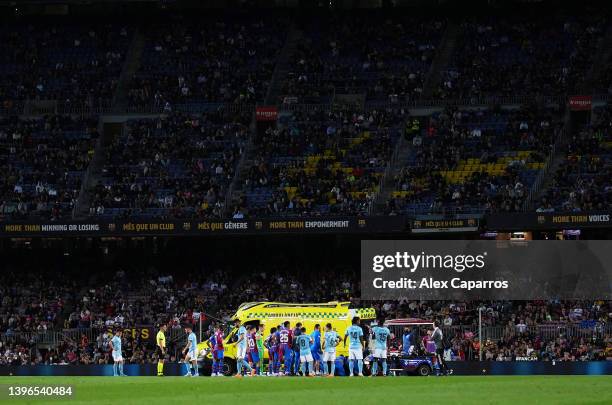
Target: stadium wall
(459,368)
(531,368)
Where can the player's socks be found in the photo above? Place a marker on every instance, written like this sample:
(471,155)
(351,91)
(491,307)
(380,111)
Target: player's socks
(384,368)
(374,367)
(351,367)
(303,369)
(115,369)
(310,368)
(196,371)
(333,368)
(325,368)
(160,368)
(220,367)
(121,369)
(360,366)
(239,367)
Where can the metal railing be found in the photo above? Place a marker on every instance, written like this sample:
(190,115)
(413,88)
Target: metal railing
(539,180)
(247,149)
(546,331)
(86,178)
(104,107)
(550,160)
(192,108)
(388,172)
(49,107)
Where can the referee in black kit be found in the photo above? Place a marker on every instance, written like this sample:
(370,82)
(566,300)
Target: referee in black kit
(438,338)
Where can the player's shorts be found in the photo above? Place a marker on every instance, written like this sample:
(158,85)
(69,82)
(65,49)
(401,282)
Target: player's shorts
(380,353)
(117,357)
(241,352)
(355,354)
(159,352)
(254,357)
(316,355)
(217,354)
(329,356)
(192,355)
(305,358)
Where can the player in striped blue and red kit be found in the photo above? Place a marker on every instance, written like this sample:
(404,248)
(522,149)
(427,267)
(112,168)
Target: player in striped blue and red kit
(271,343)
(252,350)
(216,344)
(285,350)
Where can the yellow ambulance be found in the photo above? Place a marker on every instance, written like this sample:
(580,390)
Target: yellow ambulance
(273,314)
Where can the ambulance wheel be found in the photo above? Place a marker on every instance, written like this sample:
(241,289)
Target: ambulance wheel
(423,370)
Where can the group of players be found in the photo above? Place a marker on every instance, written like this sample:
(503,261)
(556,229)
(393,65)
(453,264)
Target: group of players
(295,351)
(291,351)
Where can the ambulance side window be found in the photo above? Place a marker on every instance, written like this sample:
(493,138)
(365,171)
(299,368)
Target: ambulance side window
(232,338)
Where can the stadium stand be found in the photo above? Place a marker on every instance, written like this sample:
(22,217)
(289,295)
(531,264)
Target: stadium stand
(583,180)
(333,170)
(474,161)
(43,162)
(505,56)
(177,166)
(64,63)
(321,162)
(386,59)
(190,62)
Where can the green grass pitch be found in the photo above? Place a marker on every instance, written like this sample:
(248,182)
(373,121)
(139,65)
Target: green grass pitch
(516,390)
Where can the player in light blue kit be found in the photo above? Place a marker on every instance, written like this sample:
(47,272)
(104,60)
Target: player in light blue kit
(241,348)
(355,333)
(381,337)
(303,342)
(330,341)
(190,351)
(115,345)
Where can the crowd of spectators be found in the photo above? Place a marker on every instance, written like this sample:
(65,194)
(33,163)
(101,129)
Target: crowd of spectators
(583,181)
(231,59)
(526,330)
(483,160)
(71,63)
(206,60)
(385,58)
(42,165)
(321,162)
(175,166)
(521,56)
(86,312)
